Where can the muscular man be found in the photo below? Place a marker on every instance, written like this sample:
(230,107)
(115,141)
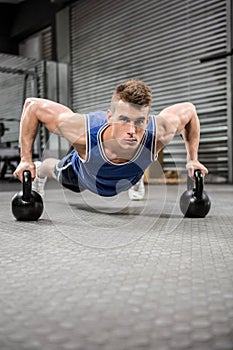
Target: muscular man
(112,149)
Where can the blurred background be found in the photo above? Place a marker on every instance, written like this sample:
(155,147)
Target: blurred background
(75,52)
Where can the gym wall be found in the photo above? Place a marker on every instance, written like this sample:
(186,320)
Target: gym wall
(162,43)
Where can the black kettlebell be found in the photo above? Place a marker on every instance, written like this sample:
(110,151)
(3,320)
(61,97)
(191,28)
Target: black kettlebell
(27,205)
(195,202)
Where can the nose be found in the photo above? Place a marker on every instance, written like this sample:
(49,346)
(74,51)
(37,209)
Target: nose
(131,128)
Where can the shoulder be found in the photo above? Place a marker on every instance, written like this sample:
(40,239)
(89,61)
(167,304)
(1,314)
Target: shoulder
(175,117)
(97,118)
(47,105)
(178,108)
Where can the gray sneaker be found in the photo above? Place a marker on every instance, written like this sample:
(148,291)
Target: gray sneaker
(38,183)
(137,192)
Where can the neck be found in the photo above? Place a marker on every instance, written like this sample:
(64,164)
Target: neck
(113,151)
(115,157)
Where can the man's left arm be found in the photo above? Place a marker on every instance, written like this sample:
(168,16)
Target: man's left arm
(181,119)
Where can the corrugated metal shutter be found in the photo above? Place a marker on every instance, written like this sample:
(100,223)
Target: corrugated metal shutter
(160,42)
(46,44)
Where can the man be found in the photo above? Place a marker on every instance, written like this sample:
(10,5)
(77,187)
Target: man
(112,149)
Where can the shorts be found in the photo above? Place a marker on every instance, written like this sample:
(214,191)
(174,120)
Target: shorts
(65,174)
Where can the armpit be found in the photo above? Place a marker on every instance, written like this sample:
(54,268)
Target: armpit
(73,128)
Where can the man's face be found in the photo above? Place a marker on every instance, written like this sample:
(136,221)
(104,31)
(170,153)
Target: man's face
(128,123)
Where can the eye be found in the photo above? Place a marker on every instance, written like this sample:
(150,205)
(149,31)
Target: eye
(139,122)
(124,119)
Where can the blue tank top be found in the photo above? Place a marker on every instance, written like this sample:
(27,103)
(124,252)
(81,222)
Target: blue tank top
(97,173)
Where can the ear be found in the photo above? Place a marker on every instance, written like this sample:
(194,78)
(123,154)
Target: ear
(109,116)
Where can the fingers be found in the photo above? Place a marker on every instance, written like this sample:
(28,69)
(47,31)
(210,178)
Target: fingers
(191,172)
(22,167)
(204,170)
(194,165)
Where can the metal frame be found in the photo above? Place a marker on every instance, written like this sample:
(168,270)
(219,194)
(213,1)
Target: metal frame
(27,72)
(229,89)
(57,89)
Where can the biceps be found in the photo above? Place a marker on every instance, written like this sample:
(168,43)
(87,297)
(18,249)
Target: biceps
(166,130)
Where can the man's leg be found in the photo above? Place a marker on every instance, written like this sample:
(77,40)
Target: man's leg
(43,170)
(60,170)
(137,192)
(46,168)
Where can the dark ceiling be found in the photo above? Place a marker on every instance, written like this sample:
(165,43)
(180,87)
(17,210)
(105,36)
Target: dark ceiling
(22,18)
(11,1)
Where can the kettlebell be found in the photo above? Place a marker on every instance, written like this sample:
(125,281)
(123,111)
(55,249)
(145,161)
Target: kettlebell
(27,205)
(195,202)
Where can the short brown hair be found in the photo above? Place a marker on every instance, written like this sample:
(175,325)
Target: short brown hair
(133,91)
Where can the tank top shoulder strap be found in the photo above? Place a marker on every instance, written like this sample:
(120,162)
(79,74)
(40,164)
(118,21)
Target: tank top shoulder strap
(94,122)
(151,136)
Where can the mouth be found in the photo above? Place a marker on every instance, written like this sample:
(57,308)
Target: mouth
(130,141)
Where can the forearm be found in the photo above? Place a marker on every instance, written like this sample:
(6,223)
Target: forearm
(191,136)
(28,130)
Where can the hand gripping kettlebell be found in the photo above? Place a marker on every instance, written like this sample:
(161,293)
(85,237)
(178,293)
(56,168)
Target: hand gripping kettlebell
(195,202)
(27,205)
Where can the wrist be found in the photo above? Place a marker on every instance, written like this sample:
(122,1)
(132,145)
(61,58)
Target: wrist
(26,158)
(192,159)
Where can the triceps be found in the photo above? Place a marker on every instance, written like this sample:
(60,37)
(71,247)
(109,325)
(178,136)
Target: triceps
(72,128)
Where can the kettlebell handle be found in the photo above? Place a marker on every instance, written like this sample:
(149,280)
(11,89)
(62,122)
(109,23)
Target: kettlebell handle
(27,186)
(199,185)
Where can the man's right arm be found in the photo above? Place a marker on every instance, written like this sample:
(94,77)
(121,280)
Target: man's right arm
(57,118)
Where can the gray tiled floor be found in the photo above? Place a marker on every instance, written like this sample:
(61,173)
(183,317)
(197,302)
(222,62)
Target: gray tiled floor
(111,274)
